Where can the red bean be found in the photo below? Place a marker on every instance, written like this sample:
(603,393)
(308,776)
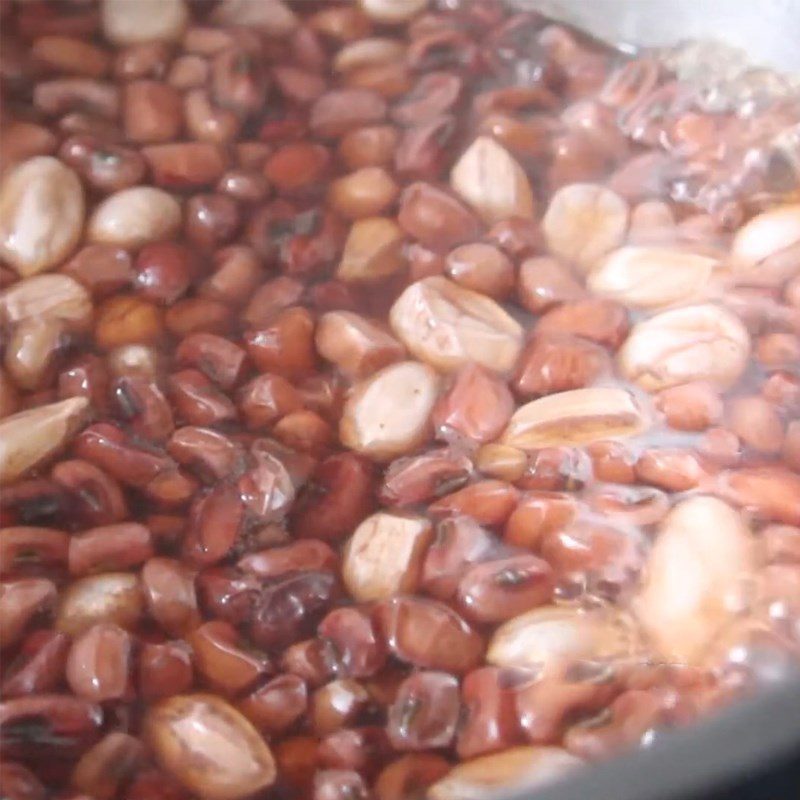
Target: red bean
(360,653)
(425,712)
(325,190)
(109,547)
(498,590)
(428,634)
(337,498)
(488,695)
(48,726)
(39,667)
(169,591)
(277,704)
(98,664)
(221,661)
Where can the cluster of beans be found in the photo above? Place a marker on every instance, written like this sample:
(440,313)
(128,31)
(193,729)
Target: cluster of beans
(381,414)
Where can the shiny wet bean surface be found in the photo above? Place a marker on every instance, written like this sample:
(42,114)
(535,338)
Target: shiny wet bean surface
(398,398)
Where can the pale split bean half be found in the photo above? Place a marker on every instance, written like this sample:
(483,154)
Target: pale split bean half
(388,414)
(47,297)
(583,222)
(128,22)
(699,342)
(134,217)
(448,326)
(356,345)
(766,250)
(373,250)
(272,17)
(212,749)
(29,437)
(368,52)
(384,556)
(114,597)
(578,416)
(41,214)
(694,577)
(553,635)
(513,770)
(652,277)
(489,178)
(393,12)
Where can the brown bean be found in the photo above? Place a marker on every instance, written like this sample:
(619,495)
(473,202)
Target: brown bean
(368,146)
(151,111)
(102,268)
(367,192)
(185,165)
(107,765)
(139,60)
(169,591)
(21,601)
(756,422)
(238,80)
(341,110)
(188,72)
(554,363)
(62,95)
(70,54)
(109,547)
(691,406)
(428,634)
(601,321)
(206,122)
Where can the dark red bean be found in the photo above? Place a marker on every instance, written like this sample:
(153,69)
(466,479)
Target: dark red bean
(196,400)
(21,603)
(164,271)
(221,661)
(428,634)
(108,765)
(96,498)
(30,547)
(489,718)
(339,784)
(459,543)
(548,704)
(39,666)
(48,726)
(164,669)
(209,454)
(336,499)
(220,359)
(276,705)
(425,712)
(309,554)
(19,783)
(215,521)
(139,403)
(498,590)
(418,479)
(359,651)
(109,548)
(169,590)
(364,749)
(341,110)
(288,607)
(211,220)
(410,776)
